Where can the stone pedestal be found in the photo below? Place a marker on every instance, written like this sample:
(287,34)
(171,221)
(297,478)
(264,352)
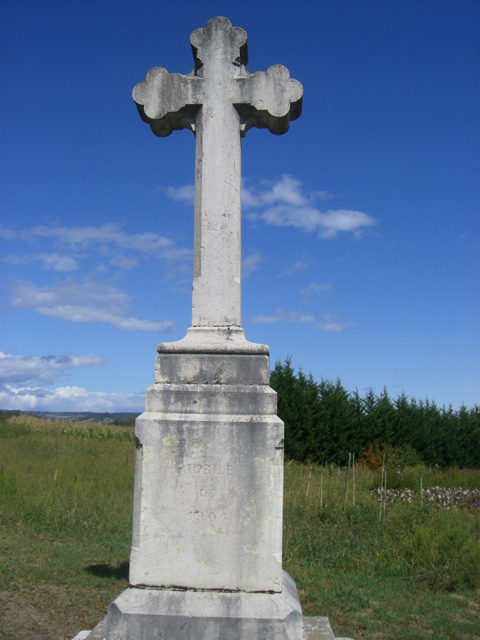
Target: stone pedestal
(149,614)
(206,559)
(314,628)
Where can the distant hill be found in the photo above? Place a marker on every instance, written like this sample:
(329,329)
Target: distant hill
(83,416)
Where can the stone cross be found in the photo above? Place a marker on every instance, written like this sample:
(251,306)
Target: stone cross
(219,101)
(206,556)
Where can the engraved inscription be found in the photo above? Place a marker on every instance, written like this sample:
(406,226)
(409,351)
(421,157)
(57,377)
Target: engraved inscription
(208,486)
(199,516)
(209,493)
(208,469)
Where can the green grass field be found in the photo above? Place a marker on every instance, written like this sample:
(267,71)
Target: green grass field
(411,571)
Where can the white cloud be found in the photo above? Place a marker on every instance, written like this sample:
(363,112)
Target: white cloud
(7,234)
(184,194)
(58,262)
(335,221)
(178,272)
(331,323)
(328,224)
(283,204)
(123,262)
(102,236)
(248,199)
(282,315)
(46,369)
(17,259)
(53,261)
(68,399)
(316,288)
(16,391)
(286,190)
(322,195)
(250,264)
(88,302)
(306,218)
(297,266)
(323,321)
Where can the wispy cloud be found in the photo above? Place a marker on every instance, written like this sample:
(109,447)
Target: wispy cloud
(54,261)
(308,218)
(297,266)
(286,190)
(88,302)
(58,262)
(324,321)
(181,272)
(316,288)
(282,315)
(331,323)
(68,399)
(124,262)
(184,194)
(17,392)
(250,264)
(16,369)
(106,235)
(322,195)
(284,204)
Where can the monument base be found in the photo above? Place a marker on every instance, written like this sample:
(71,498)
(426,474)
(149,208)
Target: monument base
(151,614)
(314,628)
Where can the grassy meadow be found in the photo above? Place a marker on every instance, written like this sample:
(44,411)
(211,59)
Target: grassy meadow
(402,567)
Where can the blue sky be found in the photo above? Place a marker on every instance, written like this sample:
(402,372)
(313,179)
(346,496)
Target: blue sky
(360,234)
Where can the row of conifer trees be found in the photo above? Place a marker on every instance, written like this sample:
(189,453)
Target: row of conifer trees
(324,421)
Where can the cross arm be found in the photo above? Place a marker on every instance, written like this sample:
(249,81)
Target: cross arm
(168,101)
(268,99)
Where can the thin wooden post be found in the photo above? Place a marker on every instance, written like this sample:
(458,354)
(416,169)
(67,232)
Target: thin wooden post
(385,496)
(346,485)
(353,472)
(381,496)
(308,487)
(321,488)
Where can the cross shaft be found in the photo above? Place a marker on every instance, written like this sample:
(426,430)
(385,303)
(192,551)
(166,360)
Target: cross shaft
(219,101)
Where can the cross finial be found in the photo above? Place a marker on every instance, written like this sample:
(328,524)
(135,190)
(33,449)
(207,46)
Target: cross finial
(219,101)
(233,39)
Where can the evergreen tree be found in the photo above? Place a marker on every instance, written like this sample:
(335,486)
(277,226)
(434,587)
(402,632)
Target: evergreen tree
(324,422)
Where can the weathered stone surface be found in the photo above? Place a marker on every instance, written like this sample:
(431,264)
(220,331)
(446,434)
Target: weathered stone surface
(206,368)
(207,523)
(211,399)
(314,628)
(317,628)
(99,632)
(150,614)
(83,635)
(214,340)
(219,101)
(208,502)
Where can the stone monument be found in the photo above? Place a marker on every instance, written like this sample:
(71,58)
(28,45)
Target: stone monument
(206,558)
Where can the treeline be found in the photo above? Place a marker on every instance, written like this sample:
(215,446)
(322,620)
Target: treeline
(324,421)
